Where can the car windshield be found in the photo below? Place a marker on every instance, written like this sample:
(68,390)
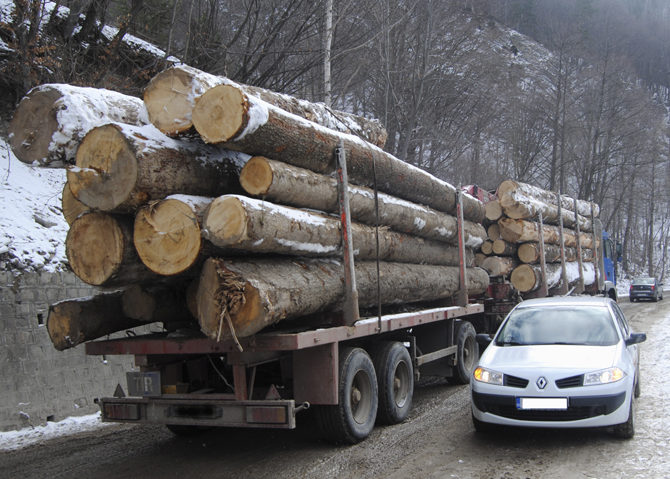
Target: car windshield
(643,281)
(583,325)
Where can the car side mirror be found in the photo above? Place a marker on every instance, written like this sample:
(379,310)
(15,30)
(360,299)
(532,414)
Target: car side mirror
(636,338)
(483,339)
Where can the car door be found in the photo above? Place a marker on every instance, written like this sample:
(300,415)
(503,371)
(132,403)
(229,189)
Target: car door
(632,350)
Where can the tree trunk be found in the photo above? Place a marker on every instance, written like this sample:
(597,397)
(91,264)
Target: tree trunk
(528,277)
(121,167)
(530,253)
(70,205)
(503,248)
(499,265)
(291,185)
(171,97)
(52,119)
(521,231)
(226,115)
(493,210)
(247,224)
(254,294)
(100,251)
(548,197)
(167,234)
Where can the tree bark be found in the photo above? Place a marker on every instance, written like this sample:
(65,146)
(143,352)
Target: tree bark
(168,234)
(70,205)
(247,224)
(285,184)
(548,197)
(254,294)
(121,167)
(528,277)
(171,97)
(99,248)
(521,231)
(51,120)
(226,115)
(499,265)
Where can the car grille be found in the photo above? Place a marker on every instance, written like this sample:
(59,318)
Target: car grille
(515,382)
(578,407)
(571,382)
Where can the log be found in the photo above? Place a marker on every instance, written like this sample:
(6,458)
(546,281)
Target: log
(548,197)
(522,231)
(290,185)
(527,277)
(226,115)
(493,210)
(487,247)
(172,94)
(503,248)
(52,119)
(121,167)
(499,265)
(70,205)
(167,234)
(493,231)
(517,204)
(530,253)
(479,259)
(99,248)
(254,294)
(74,321)
(247,224)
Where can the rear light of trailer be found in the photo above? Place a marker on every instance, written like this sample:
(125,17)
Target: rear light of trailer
(127,412)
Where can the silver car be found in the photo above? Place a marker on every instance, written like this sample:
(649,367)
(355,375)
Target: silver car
(566,362)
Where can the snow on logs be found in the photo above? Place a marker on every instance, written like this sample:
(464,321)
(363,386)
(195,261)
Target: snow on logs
(253,294)
(121,167)
(52,119)
(290,185)
(226,115)
(172,94)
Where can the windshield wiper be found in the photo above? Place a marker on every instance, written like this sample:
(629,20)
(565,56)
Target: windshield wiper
(510,343)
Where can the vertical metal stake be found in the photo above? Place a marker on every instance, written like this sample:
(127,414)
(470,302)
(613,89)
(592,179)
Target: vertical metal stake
(544,289)
(580,285)
(350,309)
(462,295)
(564,272)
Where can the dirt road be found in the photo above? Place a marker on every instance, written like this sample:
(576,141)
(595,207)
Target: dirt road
(438,440)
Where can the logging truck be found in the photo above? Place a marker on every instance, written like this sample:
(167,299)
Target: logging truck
(351,373)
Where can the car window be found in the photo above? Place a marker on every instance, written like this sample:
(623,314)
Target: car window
(591,326)
(643,281)
(621,319)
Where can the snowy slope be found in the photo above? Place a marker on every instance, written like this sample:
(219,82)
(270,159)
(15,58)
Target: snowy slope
(32,227)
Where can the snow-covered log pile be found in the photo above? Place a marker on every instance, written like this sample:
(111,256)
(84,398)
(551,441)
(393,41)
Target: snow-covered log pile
(230,242)
(513,249)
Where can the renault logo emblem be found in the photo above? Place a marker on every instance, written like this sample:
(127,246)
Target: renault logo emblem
(541,382)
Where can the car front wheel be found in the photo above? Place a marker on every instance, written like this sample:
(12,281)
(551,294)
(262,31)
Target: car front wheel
(626,430)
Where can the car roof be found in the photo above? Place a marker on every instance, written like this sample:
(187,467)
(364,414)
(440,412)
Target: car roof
(566,301)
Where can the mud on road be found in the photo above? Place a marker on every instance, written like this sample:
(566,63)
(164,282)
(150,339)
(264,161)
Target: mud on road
(438,440)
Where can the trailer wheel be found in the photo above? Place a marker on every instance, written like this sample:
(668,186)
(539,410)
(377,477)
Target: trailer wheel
(467,354)
(395,379)
(353,418)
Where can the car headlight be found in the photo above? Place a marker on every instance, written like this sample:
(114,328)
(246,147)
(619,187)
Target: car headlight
(484,375)
(605,376)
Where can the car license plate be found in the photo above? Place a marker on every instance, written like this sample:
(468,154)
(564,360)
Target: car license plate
(542,403)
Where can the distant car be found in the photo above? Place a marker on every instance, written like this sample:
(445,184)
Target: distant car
(566,362)
(645,288)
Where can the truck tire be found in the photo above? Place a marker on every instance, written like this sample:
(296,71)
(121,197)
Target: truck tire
(353,418)
(395,381)
(467,354)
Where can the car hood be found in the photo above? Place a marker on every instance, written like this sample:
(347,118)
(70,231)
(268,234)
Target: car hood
(551,356)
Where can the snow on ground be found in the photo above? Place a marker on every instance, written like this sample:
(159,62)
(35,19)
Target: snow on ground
(32,227)
(13,440)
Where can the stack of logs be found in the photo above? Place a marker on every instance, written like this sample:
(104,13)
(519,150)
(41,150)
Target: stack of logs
(513,248)
(223,212)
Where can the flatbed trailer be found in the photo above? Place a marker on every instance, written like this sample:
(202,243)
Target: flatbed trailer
(351,375)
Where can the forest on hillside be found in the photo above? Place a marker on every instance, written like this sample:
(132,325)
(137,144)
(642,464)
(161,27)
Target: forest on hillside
(577,101)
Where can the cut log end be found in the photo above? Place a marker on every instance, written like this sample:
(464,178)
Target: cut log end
(167,237)
(226,221)
(62,331)
(493,210)
(256,176)
(523,278)
(221,114)
(169,100)
(106,169)
(71,206)
(95,247)
(224,298)
(32,126)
